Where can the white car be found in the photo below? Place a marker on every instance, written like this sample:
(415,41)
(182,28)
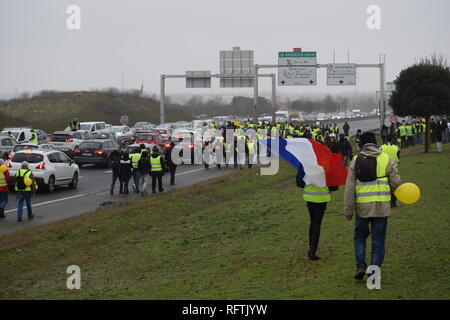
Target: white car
(67,141)
(31,146)
(49,168)
(122,133)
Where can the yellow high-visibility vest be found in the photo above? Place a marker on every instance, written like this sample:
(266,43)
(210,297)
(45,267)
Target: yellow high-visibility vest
(377,190)
(391,151)
(155,162)
(316,194)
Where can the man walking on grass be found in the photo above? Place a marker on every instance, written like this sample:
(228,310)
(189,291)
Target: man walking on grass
(371,177)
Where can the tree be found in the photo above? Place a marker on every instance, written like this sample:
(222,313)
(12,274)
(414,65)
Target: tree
(423,90)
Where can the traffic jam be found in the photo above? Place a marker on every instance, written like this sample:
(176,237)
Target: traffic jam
(56,159)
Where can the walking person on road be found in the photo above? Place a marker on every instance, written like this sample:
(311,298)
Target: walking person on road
(346,128)
(114,158)
(372,175)
(156,169)
(144,171)
(172,166)
(125,169)
(5,178)
(25,191)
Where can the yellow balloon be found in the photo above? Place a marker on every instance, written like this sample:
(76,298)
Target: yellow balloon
(407,193)
(27,181)
(3,168)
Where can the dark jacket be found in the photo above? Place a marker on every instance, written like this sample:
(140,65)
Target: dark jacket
(333,146)
(168,156)
(346,128)
(115,161)
(345,148)
(125,168)
(144,165)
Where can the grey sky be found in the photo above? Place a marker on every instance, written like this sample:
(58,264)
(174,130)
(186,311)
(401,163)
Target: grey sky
(143,39)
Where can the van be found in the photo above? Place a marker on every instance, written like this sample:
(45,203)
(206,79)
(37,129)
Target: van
(20,134)
(92,126)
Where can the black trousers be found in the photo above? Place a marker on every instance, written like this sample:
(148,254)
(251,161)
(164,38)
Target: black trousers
(172,169)
(124,185)
(316,212)
(159,177)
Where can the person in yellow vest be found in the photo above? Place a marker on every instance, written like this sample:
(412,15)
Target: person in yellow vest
(371,178)
(393,153)
(74,125)
(135,157)
(409,135)
(24,191)
(5,179)
(156,169)
(316,200)
(251,152)
(34,137)
(402,135)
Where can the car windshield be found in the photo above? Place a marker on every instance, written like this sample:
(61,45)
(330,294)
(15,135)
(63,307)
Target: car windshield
(99,136)
(28,157)
(23,147)
(90,145)
(15,134)
(145,137)
(162,131)
(116,129)
(85,126)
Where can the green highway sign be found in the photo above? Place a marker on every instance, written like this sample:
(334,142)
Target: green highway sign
(305,54)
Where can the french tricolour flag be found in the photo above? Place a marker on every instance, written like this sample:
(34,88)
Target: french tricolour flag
(315,162)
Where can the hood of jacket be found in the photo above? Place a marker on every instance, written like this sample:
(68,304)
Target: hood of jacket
(370,150)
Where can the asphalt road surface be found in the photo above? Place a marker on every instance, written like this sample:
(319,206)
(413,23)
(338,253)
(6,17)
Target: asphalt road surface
(93,191)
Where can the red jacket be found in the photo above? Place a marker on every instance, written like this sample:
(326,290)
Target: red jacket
(8,180)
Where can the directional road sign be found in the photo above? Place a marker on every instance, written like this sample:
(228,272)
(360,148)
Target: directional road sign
(198,79)
(236,68)
(341,74)
(297,76)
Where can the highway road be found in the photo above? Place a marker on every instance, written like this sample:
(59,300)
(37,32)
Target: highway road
(93,191)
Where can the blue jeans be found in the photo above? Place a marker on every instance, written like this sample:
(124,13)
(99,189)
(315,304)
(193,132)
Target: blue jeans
(21,197)
(3,199)
(137,178)
(378,230)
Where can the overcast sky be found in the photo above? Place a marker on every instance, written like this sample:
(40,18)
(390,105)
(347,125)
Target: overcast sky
(142,39)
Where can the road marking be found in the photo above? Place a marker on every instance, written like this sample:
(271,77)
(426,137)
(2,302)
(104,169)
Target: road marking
(107,171)
(89,192)
(52,201)
(179,174)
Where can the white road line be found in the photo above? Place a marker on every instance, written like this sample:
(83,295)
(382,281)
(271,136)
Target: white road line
(89,192)
(107,171)
(179,174)
(52,201)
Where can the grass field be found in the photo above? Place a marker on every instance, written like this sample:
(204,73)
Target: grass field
(243,236)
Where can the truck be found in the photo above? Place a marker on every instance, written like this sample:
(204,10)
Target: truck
(281,116)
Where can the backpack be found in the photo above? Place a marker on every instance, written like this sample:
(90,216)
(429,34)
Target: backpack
(365,168)
(20,181)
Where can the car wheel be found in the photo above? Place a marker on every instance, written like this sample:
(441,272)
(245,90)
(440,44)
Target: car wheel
(74,183)
(50,187)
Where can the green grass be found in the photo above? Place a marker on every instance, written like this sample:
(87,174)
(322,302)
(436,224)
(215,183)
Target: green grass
(243,236)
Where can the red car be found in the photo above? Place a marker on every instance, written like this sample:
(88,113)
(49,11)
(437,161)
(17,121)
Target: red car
(151,138)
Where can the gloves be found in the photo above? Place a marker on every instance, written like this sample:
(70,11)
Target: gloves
(300,182)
